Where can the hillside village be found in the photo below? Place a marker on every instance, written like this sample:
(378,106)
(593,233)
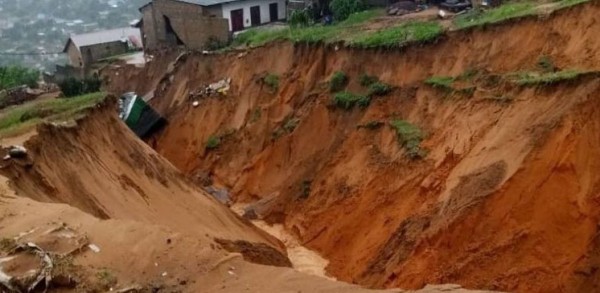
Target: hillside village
(226,146)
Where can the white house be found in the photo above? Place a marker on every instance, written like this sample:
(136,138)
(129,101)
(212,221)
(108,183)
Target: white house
(243,14)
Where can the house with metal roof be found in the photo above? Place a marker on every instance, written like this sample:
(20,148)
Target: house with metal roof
(86,49)
(196,24)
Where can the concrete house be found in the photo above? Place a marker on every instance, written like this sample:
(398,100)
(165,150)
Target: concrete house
(194,23)
(85,49)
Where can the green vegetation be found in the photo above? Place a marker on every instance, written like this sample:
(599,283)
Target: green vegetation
(290,124)
(338,81)
(441,82)
(106,278)
(367,80)
(74,87)
(495,15)
(13,76)
(533,79)
(410,138)
(347,100)
(272,81)
(21,118)
(213,142)
(546,64)
(569,3)
(370,125)
(310,34)
(399,36)
(379,89)
(299,18)
(342,9)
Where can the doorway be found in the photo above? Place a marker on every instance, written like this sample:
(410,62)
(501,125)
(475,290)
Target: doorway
(274,12)
(237,20)
(255,15)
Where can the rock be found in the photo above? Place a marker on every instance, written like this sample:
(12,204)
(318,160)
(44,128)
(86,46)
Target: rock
(17,151)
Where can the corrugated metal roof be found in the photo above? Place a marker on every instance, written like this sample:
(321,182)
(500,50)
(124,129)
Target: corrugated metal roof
(107,36)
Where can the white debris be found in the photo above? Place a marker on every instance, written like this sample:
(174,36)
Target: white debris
(94,248)
(196,104)
(164,274)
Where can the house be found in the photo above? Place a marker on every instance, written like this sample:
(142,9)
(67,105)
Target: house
(196,23)
(85,49)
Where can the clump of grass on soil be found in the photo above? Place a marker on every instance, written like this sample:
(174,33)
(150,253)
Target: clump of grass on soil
(499,14)
(289,125)
(7,244)
(569,3)
(441,82)
(399,36)
(106,278)
(18,119)
(338,81)
(379,89)
(410,137)
(533,79)
(546,64)
(367,80)
(272,81)
(348,100)
(370,125)
(213,142)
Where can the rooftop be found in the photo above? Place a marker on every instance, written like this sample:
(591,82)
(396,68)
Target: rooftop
(106,36)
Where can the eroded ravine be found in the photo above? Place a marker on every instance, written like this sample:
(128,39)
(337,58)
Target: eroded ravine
(467,213)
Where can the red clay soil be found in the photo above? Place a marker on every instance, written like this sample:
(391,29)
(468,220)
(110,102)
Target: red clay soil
(505,199)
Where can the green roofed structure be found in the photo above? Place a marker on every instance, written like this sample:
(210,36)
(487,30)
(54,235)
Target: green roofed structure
(139,116)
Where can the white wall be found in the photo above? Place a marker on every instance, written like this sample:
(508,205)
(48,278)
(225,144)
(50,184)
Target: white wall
(265,16)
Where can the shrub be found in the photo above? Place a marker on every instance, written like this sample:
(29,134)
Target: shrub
(342,9)
(338,81)
(213,142)
(272,81)
(410,138)
(367,80)
(13,76)
(75,87)
(299,18)
(347,100)
(379,89)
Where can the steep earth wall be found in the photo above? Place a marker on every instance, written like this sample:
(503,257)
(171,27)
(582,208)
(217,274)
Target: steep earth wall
(505,199)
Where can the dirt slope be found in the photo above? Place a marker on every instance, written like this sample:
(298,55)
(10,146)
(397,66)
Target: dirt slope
(505,199)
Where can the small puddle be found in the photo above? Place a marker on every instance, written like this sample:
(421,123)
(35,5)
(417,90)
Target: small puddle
(303,259)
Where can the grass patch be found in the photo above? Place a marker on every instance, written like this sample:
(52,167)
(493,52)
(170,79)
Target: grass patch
(106,278)
(410,138)
(569,3)
(213,142)
(272,81)
(441,82)
(348,100)
(21,118)
(379,89)
(371,125)
(309,34)
(367,80)
(499,14)
(338,81)
(290,124)
(546,64)
(394,37)
(534,79)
